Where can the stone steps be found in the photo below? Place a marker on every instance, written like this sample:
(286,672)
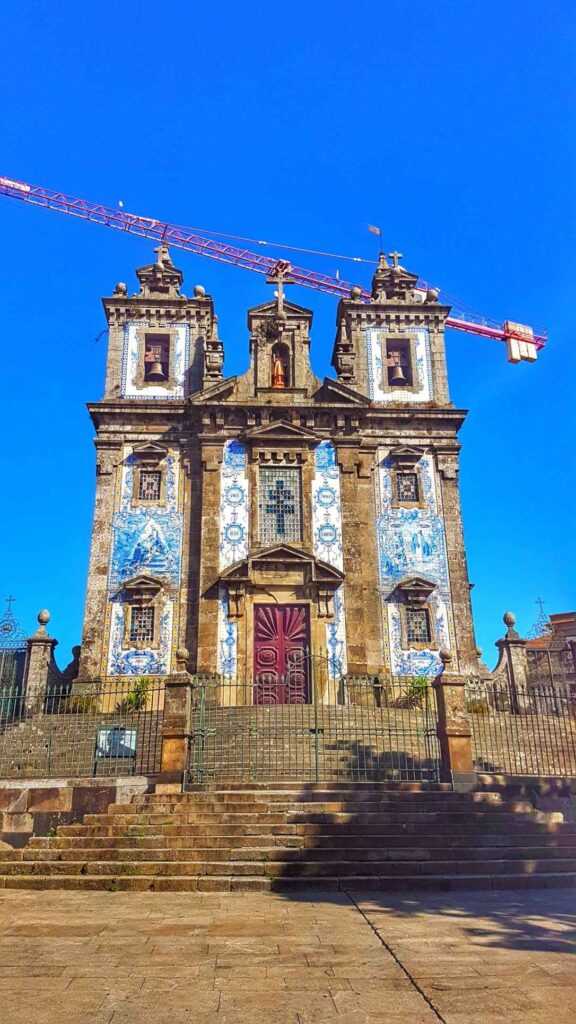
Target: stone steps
(250,838)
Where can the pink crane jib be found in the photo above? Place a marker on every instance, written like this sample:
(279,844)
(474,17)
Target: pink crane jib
(522,342)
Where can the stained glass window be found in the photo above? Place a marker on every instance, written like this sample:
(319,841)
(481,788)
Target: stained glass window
(142,624)
(417,626)
(407,487)
(150,481)
(279,505)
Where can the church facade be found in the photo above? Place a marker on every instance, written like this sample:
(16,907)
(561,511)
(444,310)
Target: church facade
(281,529)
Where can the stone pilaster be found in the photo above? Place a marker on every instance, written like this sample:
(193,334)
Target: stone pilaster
(40,666)
(360,557)
(97,586)
(176,727)
(512,664)
(207,645)
(466,654)
(454,730)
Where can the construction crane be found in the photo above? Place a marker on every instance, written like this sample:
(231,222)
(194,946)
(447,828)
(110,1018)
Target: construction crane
(521,340)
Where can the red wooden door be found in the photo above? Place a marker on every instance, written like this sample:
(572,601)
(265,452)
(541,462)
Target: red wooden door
(281,663)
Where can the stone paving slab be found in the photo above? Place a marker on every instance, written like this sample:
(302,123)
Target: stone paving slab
(363,958)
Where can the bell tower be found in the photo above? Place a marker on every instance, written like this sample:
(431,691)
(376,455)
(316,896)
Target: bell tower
(392,348)
(162,345)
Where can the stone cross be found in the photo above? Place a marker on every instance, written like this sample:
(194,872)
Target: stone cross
(395,257)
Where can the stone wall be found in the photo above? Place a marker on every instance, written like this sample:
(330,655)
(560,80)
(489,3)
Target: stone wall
(37,808)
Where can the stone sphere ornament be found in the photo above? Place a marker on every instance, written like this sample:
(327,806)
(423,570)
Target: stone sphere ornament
(44,617)
(509,619)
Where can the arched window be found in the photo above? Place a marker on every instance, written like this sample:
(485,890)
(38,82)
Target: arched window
(280,369)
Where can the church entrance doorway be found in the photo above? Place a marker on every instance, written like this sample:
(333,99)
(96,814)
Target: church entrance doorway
(281,648)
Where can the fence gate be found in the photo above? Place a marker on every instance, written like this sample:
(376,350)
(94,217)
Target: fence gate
(355,728)
(12,663)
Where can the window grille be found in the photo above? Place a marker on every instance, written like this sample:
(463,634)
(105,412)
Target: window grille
(149,489)
(279,505)
(407,487)
(142,625)
(418,626)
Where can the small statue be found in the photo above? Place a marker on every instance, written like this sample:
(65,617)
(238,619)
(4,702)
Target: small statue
(278,373)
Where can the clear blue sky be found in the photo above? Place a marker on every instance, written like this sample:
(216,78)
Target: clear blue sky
(450,124)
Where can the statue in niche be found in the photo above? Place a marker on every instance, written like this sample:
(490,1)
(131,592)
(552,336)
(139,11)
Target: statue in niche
(279,367)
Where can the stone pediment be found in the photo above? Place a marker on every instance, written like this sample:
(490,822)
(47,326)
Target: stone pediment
(281,430)
(334,391)
(415,589)
(277,567)
(405,456)
(271,308)
(150,451)
(141,586)
(281,559)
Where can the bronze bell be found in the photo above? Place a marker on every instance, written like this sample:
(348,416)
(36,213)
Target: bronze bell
(156,371)
(398,376)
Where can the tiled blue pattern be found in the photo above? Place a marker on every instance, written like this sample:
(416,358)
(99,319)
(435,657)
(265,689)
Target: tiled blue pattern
(132,662)
(234,533)
(375,340)
(181,362)
(411,542)
(145,541)
(326,506)
(336,638)
(234,504)
(227,638)
(327,533)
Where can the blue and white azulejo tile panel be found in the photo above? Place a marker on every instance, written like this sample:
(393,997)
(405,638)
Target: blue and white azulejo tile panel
(376,349)
(234,504)
(227,638)
(327,534)
(326,506)
(336,638)
(131,355)
(126,661)
(146,540)
(411,542)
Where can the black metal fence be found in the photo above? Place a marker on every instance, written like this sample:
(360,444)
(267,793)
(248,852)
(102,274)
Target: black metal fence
(527,730)
(104,730)
(356,728)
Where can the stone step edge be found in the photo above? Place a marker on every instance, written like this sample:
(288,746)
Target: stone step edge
(191,883)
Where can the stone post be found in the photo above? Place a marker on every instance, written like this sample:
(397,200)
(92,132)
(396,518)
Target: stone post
(39,665)
(176,727)
(454,731)
(513,664)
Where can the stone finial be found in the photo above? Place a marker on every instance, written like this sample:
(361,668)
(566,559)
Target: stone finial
(199,291)
(509,620)
(355,292)
(43,619)
(121,288)
(445,656)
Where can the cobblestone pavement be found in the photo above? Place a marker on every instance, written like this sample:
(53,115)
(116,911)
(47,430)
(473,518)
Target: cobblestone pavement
(113,958)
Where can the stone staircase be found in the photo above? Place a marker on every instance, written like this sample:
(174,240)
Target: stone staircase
(282,836)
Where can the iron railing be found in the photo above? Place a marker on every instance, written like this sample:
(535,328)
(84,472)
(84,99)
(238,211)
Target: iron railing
(93,730)
(356,728)
(522,730)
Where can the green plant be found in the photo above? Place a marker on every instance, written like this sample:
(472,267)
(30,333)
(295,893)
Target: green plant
(81,704)
(413,691)
(135,699)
